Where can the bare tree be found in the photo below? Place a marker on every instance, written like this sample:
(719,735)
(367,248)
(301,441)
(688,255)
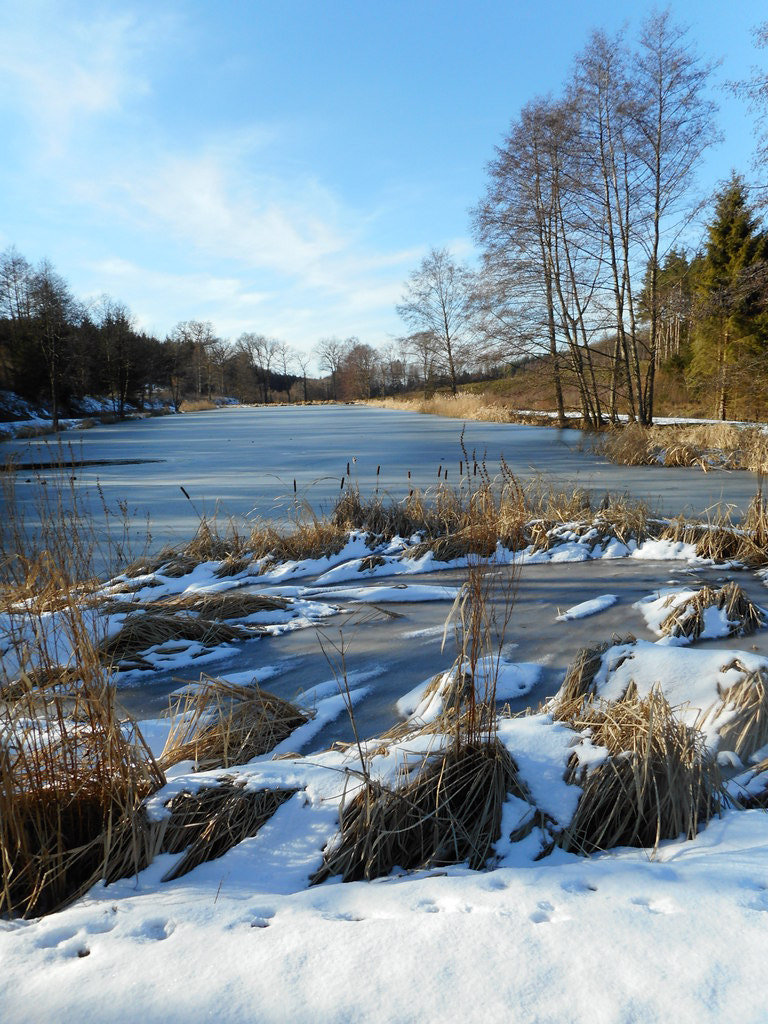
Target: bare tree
(440,299)
(676,126)
(422,345)
(330,355)
(755,90)
(304,361)
(117,346)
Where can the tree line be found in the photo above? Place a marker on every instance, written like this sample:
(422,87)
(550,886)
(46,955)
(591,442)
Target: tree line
(581,227)
(56,349)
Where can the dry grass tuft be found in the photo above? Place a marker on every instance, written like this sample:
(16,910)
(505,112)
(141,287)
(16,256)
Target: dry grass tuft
(702,445)
(447,812)
(720,539)
(237,605)
(145,629)
(208,823)
(579,681)
(316,538)
(218,724)
(657,782)
(72,779)
(745,707)
(688,619)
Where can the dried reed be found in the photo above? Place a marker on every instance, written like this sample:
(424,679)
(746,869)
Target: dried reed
(446,812)
(657,782)
(208,823)
(71,782)
(744,706)
(217,724)
(579,681)
(145,629)
(237,605)
(688,618)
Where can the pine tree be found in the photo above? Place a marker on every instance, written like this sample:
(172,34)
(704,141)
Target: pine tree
(730,340)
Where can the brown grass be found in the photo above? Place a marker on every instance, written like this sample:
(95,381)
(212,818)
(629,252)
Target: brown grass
(144,629)
(446,812)
(658,781)
(723,540)
(703,445)
(71,783)
(226,605)
(687,619)
(579,681)
(218,724)
(208,823)
(746,705)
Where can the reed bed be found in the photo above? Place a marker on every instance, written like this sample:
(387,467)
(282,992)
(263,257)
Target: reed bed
(658,781)
(237,605)
(703,445)
(72,778)
(721,539)
(217,724)
(688,619)
(446,812)
(208,823)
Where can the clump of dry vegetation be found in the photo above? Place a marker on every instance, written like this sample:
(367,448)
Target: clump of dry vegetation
(688,618)
(446,812)
(743,708)
(208,823)
(217,724)
(447,808)
(151,629)
(721,539)
(72,779)
(657,781)
(579,682)
(703,445)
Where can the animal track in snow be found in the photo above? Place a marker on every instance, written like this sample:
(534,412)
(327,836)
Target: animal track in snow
(153,930)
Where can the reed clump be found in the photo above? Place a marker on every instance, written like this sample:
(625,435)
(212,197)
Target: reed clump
(147,629)
(687,619)
(702,445)
(720,538)
(72,778)
(218,724)
(208,823)
(657,781)
(579,682)
(447,812)
(222,605)
(743,708)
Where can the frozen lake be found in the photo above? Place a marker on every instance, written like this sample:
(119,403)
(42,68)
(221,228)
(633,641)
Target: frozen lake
(244,461)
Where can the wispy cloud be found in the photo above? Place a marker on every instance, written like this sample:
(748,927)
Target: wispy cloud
(230,226)
(59,72)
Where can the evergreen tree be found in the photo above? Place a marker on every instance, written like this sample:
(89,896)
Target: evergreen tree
(730,340)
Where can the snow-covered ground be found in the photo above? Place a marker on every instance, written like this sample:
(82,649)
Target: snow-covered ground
(629,935)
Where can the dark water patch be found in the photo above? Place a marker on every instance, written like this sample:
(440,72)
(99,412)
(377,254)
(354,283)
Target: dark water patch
(29,467)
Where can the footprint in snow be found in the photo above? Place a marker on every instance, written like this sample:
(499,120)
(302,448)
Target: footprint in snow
(153,931)
(661,906)
(546,913)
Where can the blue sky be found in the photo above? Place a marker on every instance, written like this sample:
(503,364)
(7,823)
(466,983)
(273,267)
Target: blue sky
(282,166)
